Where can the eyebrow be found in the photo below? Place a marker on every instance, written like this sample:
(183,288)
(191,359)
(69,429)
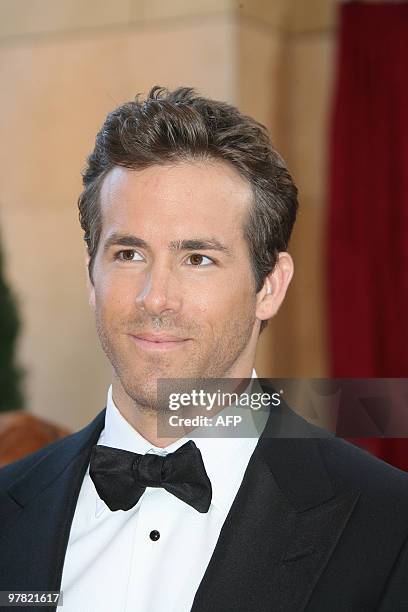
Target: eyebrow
(195,244)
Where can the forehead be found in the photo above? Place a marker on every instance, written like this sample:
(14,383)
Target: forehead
(183,198)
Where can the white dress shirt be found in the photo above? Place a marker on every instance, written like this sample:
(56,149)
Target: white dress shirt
(113,565)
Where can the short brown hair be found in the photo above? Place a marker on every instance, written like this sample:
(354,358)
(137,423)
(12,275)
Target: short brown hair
(170,126)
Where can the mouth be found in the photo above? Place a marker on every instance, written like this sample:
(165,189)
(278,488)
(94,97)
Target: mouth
(158,342)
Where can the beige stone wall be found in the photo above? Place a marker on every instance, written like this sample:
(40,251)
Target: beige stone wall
(286,73)
(63,66)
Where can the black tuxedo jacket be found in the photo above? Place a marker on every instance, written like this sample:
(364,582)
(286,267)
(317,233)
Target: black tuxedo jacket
(317,524)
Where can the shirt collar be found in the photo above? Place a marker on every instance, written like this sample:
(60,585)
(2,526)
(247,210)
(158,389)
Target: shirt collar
(225,459)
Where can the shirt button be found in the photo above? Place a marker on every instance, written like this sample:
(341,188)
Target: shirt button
(154,535)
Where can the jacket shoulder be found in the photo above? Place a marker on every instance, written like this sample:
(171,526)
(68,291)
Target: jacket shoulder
(88,435)
(12,471)
(352,466)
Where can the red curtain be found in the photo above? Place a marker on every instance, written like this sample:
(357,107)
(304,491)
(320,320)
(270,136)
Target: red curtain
(367,274)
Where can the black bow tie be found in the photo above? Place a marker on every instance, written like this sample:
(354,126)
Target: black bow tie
(121,477)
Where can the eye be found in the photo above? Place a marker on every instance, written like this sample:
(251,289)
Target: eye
(197,260)
(128,255)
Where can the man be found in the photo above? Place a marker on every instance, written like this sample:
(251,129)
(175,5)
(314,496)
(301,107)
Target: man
(187,211)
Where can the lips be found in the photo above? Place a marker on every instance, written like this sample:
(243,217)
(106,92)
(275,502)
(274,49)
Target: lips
(159,337)
(150,341)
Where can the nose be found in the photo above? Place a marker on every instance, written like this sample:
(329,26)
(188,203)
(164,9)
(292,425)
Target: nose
(160,293)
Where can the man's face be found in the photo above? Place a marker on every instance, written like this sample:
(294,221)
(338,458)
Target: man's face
(173,289)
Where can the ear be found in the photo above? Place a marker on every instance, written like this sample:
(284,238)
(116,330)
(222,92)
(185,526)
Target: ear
(273,292)
(89,284)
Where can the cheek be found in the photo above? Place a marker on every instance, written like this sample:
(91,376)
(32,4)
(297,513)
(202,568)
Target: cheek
(114,296)
(219,305)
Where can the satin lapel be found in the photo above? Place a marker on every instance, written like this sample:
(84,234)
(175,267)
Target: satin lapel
(280,532)
(41,508)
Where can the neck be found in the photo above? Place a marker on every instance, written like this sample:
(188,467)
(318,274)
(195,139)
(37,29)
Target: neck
(144,421)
